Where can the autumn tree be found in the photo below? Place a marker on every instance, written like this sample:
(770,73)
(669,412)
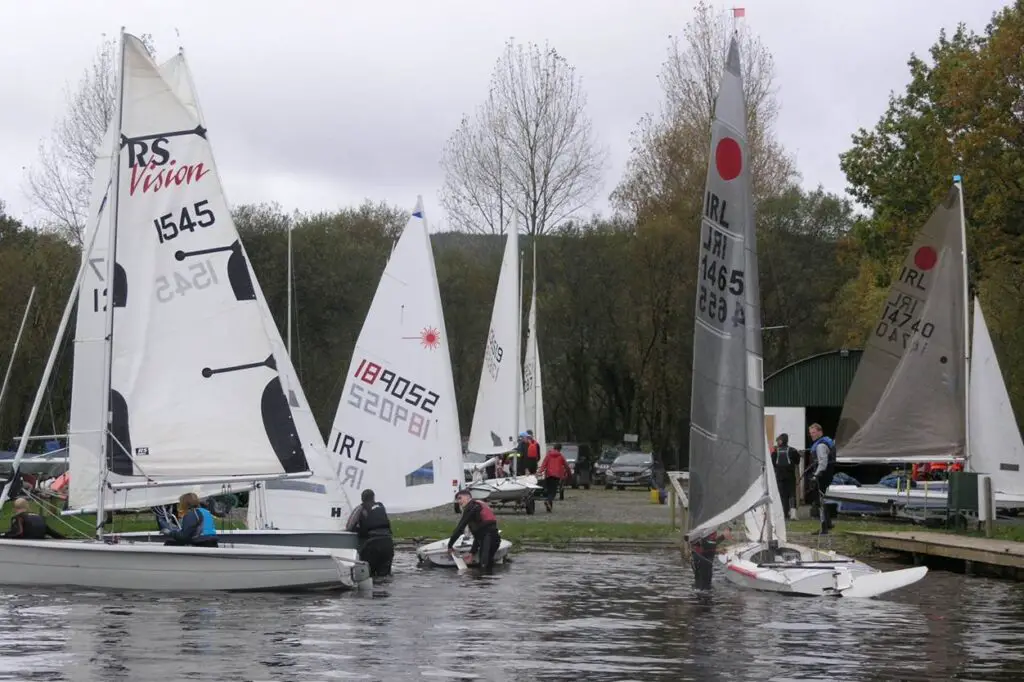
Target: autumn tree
(529,150)
(60,181)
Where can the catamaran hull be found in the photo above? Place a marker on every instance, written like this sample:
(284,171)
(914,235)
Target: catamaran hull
(884,496)
(343,545)
(800,570)
(436,553)
(148,566)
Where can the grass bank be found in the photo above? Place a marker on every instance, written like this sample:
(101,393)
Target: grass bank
(523,531)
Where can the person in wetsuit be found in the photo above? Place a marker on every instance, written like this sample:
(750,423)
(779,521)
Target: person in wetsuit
(26,525)
(196,526)
(376,546)
(702,558)
(483,524)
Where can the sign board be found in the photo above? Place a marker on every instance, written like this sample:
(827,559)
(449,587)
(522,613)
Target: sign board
(631,438)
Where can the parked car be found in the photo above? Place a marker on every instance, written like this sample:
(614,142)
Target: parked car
(630,469)
(601,466)
(572,453)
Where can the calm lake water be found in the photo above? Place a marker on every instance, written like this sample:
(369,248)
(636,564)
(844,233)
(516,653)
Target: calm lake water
(545,617)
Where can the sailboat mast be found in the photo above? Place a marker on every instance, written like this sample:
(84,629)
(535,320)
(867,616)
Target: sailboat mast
(967,322)
(519,336)
(289,290)
(105,440)
(17,342)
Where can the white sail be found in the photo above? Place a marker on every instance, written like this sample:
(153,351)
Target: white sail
(86,423)
(396,430)
(495,417)
(996,447)
(532,384)
(194,386)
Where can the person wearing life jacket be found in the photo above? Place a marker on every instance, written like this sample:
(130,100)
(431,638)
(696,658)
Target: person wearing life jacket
(479,518)
(823,450)
(376,546)
(702,559)
(532,459)
(26,525)
(195,526)
(554,470)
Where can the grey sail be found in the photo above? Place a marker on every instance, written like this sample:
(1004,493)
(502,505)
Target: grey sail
(908,398)
(727,437)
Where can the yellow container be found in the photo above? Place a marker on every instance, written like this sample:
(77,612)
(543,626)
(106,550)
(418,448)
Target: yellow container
(655,498)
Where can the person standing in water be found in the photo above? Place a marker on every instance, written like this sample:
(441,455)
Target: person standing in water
(479,518)
(376,546)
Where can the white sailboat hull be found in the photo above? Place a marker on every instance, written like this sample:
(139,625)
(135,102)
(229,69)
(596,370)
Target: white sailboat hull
(795,569)
(343,546)
(149,566)
(436,553)
(504,489)
(915,497)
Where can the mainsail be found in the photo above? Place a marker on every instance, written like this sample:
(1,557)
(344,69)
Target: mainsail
(907,400)
(533,390)
(195,391)
(727,433)
(996,445)
(496,415)
(397,425)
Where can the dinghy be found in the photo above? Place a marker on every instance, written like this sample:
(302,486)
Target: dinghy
(920,392)
(292,513)
(176,385)
(730,468)
(500,396)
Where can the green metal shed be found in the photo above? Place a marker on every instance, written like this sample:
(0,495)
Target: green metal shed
(817,381)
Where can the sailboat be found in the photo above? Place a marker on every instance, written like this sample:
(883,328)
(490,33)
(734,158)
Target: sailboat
(533,387)
(499,398)
(296,513)
(730,472)
(188,397)
(921,394)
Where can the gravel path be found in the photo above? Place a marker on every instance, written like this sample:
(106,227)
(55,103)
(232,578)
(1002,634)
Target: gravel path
(597,505)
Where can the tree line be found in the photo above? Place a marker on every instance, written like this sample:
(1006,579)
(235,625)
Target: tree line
(616,295)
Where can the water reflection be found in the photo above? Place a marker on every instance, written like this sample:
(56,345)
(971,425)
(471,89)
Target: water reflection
(547,617)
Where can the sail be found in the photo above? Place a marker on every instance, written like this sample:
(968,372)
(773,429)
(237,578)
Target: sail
(396,430)
(86,424)
(996,446)
(495,417)
(907,399)
(533,407)
(194,386)
(727,441)
(754,521)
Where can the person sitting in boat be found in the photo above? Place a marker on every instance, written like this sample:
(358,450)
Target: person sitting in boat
(376,546)
(479,518)
(196,525)
(553,471)
(26,525)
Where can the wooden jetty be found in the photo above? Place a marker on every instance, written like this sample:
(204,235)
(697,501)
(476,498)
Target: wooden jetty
(1002,558)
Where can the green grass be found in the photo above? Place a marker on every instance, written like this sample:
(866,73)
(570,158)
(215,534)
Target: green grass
(85,524)
(1001,531)
(528,531)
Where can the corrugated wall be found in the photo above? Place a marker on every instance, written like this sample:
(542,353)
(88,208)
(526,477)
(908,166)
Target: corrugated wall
(818,381)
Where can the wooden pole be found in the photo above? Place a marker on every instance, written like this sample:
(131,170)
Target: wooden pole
(990,512)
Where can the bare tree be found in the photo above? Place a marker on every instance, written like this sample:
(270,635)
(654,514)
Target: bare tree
(670,150)
(61,179)
(529,150)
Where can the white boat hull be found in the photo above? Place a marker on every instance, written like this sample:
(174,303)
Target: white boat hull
(917,498)
(436,553)
(504,489)
(149,566)
(799,570)
(341,544)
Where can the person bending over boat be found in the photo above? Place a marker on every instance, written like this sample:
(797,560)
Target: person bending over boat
(483,524)
(702,558)
(26,525)
(553,470)
(196,526)
(376,546)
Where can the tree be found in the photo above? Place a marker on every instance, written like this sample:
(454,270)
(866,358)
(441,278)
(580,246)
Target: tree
(61,180)
(670,150)
(528,152)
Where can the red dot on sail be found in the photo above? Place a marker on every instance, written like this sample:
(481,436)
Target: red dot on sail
(728,158)
(430,337)
(925,258)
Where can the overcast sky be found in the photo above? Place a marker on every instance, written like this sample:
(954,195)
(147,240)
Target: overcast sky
(320,104)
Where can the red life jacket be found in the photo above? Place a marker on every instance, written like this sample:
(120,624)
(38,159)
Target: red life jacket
(486,513)
(533,450)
